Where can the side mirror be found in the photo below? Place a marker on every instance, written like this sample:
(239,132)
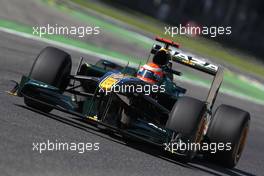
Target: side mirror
(109,64)
(176,72)
(169,69)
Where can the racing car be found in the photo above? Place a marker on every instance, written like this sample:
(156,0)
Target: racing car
(162,118)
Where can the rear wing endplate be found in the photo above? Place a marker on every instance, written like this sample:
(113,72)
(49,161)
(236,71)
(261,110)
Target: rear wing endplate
(216,71)
(197,64)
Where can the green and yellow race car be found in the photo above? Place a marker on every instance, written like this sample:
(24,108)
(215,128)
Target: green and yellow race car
(142,103)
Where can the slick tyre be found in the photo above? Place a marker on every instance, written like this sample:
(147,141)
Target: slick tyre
(229,126)
(186,118)
(52,66)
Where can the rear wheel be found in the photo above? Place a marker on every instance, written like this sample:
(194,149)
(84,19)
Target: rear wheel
(52,66)
(229,126)
(186,118)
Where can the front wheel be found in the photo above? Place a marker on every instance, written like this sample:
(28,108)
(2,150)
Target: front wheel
(52,66)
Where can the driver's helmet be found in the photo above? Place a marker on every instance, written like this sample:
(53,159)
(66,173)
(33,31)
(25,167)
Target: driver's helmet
(162,57)
(150,73)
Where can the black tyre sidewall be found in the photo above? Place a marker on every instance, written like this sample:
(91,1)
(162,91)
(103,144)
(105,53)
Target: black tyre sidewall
(226,127)
(186,117)
(52,66)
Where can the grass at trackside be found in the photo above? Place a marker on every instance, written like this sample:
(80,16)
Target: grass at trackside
(250,92)
(231,81)
(62,39)
(199,45)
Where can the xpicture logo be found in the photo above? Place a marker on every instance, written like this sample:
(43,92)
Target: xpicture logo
(134,88)
(213,31)
(80,31)
(188,146)
(48,145)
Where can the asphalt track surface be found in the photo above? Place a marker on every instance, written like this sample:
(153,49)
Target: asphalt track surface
(20,126)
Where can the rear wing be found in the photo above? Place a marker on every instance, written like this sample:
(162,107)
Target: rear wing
(205,67)
(183,58)
(195,63)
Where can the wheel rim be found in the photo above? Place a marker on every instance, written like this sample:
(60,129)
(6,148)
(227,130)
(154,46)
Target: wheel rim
(198,137)
(241,144)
